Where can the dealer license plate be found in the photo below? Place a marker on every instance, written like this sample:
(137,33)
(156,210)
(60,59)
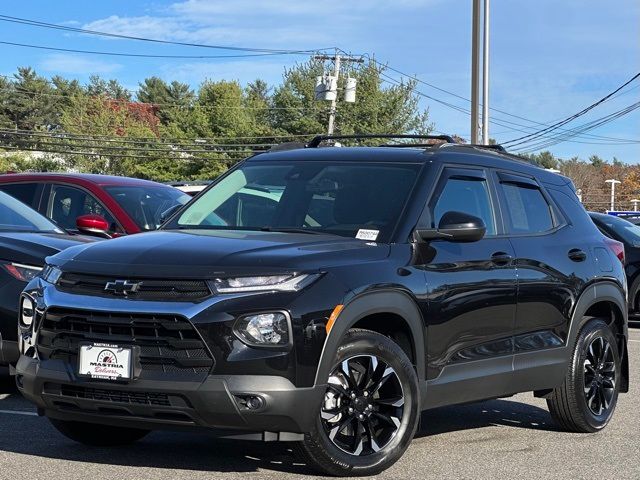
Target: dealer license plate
(104,361)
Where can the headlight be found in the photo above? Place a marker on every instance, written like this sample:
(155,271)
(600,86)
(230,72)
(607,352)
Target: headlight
(26,311)
(51,274)
(22,272)
(264,329)
(279,283)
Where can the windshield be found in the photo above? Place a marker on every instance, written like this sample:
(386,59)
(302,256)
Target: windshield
(624,229)
(362,200)
(145,205)
(15,216)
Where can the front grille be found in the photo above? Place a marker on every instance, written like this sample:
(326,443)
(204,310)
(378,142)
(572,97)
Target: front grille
(167,343)
(147,289)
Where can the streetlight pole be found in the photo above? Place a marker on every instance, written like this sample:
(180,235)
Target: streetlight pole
(613,183)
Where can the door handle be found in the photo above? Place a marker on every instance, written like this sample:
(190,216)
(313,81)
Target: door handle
(501,258)
(577,255)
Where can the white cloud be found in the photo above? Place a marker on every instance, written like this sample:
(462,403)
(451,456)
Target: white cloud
(76,64)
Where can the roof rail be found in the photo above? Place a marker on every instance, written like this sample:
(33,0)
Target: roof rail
(317,140)
(287,146)
(496,147)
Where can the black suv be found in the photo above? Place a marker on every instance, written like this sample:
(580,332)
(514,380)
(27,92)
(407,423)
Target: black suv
(327,296)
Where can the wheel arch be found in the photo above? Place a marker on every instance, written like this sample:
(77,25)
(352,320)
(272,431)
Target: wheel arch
(605,299)
(369,310)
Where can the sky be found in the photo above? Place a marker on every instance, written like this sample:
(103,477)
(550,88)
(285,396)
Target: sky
(549,58)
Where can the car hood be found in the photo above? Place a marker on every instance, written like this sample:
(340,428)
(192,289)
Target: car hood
(33,248)
(202,253)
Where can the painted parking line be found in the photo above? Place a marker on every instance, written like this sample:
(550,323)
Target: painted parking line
(19,412)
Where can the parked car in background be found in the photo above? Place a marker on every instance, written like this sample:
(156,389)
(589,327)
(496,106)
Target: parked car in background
(628,234)
(190,188)
(101,205)
(26,239)
(327,296)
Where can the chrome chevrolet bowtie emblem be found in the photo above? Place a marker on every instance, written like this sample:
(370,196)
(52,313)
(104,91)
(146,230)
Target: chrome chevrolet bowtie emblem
(122,287)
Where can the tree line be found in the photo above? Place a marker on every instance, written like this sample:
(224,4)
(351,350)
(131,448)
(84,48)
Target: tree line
(168,130)
(589,177)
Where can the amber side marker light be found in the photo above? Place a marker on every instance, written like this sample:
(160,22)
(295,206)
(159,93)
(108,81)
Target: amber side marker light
(333,317)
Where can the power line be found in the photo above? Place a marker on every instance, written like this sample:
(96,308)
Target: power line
(96,154)
(40,24)
(502,121)
(497,121)
(127,140)
(561,137)
(555,126)
(144,55)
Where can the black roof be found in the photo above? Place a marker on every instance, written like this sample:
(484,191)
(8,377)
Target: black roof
(449,152)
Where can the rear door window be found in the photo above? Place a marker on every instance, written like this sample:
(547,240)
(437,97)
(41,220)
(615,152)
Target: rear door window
(527,210)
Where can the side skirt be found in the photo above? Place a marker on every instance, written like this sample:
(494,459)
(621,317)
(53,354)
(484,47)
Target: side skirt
(497,377)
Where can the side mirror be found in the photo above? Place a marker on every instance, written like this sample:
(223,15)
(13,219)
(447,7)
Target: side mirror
(93,225)
(456,227)
(169,211)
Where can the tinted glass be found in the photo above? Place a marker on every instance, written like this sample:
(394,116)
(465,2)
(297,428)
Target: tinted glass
(145,205)
(316,196)
(527,209)
(25,192)
(68,203)
(16,216)
(468,196)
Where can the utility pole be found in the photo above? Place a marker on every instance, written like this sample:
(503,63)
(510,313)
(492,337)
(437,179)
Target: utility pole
(475,69)
(338,60)
(613,183)
(334,102)
(485,75)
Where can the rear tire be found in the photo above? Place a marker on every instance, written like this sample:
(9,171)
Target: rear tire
(587,398)
(98,435)
(373,396)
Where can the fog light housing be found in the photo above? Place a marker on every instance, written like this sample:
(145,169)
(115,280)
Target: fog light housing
(265,329)
(27,311)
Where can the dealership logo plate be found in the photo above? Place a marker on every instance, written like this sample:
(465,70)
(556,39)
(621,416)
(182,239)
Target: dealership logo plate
(105,361)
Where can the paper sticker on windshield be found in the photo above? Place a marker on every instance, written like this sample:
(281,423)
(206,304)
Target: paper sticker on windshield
(364,234)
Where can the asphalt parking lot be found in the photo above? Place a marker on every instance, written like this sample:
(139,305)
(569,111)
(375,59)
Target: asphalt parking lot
(511,438)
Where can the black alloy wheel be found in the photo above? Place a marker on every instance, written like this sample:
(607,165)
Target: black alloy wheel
(363,405)
(599,376)
(369,410)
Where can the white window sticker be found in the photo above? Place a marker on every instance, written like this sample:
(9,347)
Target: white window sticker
(364,234)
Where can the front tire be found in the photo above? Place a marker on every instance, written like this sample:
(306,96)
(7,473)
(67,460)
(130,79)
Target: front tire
(370,410)
(587,398)
(98,435)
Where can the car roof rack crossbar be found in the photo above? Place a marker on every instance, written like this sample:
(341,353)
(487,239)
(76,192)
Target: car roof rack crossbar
(318,139)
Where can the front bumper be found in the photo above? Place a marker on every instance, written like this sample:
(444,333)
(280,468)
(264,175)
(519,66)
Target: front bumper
(216,402)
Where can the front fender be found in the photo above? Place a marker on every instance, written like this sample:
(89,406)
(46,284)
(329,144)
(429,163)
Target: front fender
(391,301)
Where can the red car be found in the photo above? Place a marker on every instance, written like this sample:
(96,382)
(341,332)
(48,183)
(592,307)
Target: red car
(100,205)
